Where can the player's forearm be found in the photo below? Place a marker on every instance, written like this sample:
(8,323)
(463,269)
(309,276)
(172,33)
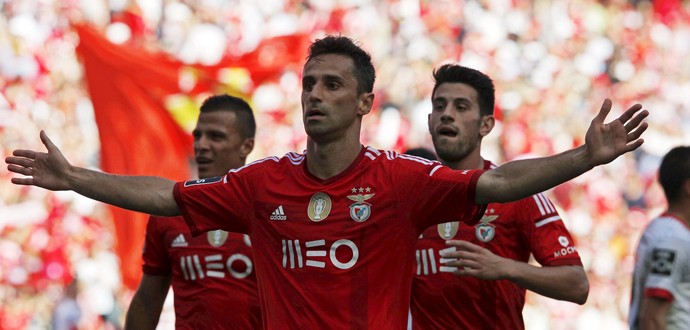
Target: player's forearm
(522,178)
(653,313)
(145,194)
(567,283)
(142,315)
(653,322)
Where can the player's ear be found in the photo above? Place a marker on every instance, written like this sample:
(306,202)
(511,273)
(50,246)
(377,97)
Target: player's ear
(366,102)
(486,124)
(247,147)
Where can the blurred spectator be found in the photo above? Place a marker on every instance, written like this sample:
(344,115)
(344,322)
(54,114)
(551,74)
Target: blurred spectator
(67,313)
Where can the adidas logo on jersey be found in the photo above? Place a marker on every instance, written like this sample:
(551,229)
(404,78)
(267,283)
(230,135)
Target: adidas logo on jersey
(278,214)
(179,241)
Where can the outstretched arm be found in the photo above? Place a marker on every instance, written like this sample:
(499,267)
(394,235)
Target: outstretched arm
(147,303)
(559,282)
(52,171)
(603,144)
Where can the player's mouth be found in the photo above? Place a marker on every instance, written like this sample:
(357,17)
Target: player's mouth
(203,160)
(447,131)
(315,113)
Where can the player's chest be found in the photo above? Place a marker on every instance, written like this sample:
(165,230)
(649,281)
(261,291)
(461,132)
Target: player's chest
(215,254)
(496,225)
(340,210)
(181,242)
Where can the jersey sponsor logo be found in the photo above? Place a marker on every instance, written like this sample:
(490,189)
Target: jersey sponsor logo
(485,231)
(448,230)
(565,251)
(217,237)
(203,181)
(315,254)
(179,241)
(429,262)
(319,207)
(360,210)
(564,241)
(662,261)
(194,268)
(278,214)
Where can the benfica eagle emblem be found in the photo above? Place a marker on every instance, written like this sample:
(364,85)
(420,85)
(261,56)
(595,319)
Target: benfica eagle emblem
(485,231)
(360,210)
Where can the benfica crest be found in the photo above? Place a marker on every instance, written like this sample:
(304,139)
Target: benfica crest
(360,210)
(485,231)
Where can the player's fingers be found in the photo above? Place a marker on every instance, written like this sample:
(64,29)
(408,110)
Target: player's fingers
(634,135)
(23,181)
(19,161)
(635,121)
(23,153)
(20,169)
(464,245)
(632,146)
(603,112)
(47,142)
(629,113)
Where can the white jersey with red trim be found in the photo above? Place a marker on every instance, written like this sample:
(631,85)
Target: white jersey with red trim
(662,270)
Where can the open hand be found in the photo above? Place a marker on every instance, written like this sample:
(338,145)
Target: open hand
(46,170)
(605,142)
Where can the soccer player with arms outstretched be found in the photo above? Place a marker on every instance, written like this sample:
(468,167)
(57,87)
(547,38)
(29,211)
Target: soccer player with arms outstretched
(342,255)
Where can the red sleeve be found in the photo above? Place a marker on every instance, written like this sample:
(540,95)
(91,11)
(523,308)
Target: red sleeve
(155,256)
(432,193)
(549,240)
(215,203)
(658,293)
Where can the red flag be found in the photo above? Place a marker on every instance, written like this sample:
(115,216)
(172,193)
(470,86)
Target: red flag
(138,136)
(128,87)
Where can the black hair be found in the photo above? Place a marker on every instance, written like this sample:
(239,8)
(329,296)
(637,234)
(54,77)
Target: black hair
(245,122)
(453,73)
(674,172)
(363,68)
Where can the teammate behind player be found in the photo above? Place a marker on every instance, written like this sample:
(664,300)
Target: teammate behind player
(212,275)
(661,279)
(340,252)
(499,246)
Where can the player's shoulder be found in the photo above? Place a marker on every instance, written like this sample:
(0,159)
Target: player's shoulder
(393,158)
(668,225)
(270,163)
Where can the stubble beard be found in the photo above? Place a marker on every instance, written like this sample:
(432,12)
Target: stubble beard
(452,151)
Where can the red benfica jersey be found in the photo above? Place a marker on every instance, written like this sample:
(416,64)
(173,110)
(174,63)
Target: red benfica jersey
(213,277)
(441,300)
(335,253)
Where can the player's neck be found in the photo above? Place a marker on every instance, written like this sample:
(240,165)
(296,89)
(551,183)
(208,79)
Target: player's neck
(681,211)
(326,160)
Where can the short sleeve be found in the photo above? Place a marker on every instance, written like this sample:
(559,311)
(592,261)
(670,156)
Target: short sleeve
(549,240)
(667,262)
(155,257)
(222,202)
(432,193)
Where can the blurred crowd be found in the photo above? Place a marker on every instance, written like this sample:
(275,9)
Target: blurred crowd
(553,63)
